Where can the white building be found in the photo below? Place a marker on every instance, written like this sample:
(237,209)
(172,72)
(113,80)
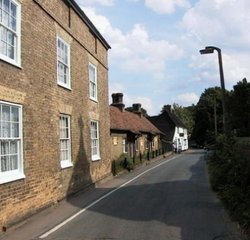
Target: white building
(174,129)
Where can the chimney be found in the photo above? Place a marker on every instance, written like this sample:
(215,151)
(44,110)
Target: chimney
(167,108)
(137,109)
(117,101)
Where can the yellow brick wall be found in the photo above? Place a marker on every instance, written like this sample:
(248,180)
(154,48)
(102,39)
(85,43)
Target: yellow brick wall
(34,86)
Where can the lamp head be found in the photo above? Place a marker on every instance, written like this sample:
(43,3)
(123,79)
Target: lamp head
(207,50)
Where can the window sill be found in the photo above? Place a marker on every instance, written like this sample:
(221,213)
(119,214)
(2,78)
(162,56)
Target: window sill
(94,100)
(95,158)
(66,164)
(13,63)
(64,86)
(6,178)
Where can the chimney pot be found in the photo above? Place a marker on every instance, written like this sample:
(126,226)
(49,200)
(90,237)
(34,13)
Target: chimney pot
(117,101)
(168,108)
(137,109)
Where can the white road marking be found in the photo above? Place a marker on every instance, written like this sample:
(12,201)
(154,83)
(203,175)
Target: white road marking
(54,229)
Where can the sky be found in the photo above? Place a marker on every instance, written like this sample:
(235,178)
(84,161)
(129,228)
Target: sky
(154,57)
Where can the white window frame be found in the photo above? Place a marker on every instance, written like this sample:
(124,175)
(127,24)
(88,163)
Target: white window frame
(64,63)
(95,140)
(124,145)
(65,163)
(18,173)
(16,60)
(115,140)
(93,83)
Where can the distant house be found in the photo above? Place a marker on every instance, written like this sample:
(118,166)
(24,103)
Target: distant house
(54,108)
(131,132)
(173,128)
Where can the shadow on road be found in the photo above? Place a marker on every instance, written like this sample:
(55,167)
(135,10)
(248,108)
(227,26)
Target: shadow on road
(178,209)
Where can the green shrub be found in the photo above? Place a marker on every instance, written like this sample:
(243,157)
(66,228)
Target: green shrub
(229,173)
(124,162)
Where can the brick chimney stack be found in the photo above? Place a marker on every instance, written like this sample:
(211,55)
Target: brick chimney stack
(167,108)
(137,109)
(117,101)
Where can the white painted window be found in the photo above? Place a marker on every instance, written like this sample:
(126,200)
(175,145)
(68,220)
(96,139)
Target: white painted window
(10,36)
(115,140)
(65,141)
(125,145)
(92,82)
(11,153)
(63,63)
(95,145)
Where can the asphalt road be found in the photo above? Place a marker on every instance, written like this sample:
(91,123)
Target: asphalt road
(172,200)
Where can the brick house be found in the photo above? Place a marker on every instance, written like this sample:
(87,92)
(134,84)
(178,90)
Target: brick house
(131,132)
(54,110)
(174,129)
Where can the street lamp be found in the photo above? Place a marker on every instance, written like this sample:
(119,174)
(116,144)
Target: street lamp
(208,50)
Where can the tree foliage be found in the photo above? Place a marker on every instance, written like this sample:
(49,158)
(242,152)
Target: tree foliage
(239,110)
(209,112)
(208,116)
(186,115)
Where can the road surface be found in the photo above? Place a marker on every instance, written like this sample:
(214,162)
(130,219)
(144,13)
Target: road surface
(168,199)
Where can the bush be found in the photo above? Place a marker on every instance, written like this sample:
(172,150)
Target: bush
(230,177)
(123,162)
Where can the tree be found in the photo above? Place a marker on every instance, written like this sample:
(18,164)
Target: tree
(186,115)
(240,108)
(208,116)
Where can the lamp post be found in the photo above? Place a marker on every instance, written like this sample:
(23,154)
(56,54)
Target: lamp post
(208,50)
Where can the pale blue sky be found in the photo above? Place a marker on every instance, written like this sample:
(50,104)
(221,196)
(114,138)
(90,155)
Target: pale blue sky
(155,44)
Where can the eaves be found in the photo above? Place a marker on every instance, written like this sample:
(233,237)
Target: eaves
(86,20)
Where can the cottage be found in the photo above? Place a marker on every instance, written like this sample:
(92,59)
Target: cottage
(54,110)
(173,128)
(131,132)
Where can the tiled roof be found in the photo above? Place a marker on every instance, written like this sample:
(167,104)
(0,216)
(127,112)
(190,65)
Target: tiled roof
(167,122)
(177,121)
(132,122)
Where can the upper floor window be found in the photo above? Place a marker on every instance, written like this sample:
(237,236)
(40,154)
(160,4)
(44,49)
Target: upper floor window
(92,82)
(10,23)
(95,145)
(11,163)
(65,141)
(63,63)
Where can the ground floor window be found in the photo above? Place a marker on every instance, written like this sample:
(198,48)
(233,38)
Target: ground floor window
(65,141)
(95,144)
(125,145)
(11,141)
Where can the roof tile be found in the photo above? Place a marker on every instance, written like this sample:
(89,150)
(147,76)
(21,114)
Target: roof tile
(128,121)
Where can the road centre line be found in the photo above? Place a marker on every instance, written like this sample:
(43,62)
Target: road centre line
(54,229)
